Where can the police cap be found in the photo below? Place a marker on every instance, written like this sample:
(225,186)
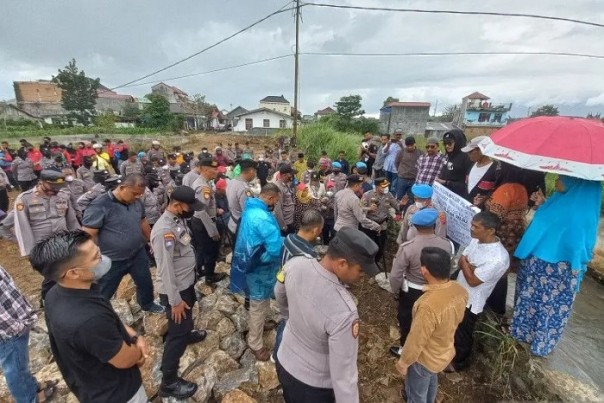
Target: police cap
(53,177)
(208,162)
(422,191)
(185,194)
(425,217)
(359,247)
(354,178)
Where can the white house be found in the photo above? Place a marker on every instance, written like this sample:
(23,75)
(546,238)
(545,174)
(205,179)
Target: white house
(277,104)
(263,121)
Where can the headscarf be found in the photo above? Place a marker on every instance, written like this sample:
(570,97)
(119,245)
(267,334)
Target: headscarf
(565,227)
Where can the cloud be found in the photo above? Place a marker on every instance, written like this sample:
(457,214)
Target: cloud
(120,41)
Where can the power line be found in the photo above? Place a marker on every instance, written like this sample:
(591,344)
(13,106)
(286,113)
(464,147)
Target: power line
(418,10)
(527,53)
(279,11)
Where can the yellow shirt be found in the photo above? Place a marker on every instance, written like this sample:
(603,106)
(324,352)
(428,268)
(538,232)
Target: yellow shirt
(436,315)
(300,166)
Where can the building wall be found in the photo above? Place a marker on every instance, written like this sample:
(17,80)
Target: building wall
(473,117)
(412,121)
(10,113)
(277,107)
(36,91)
(164,90)
(258,121)
(43,109)
(116,106)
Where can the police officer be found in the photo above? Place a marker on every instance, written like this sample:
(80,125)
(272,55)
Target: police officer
(203,224)
(285,208)
(175,257)
(336,176)
(131,166)
(191,176)
(152,207)
(348,211)
(238,191)
(100,179)
(317,358)
(406,280)
(422,194)
(76,188)
(41,212)
(85,173)
(384,201)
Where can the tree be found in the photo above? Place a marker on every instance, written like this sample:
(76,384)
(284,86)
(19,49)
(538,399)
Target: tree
(390,99)
(363,125)
(448,114)
(349,107)
(79,93)
(157,113)
(131,112)
(106,120)
(546,110)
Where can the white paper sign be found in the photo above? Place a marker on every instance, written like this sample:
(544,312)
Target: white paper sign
(459,213)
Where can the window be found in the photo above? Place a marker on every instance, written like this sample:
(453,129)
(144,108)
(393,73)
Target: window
(282,124)
(484,117)
(249,123)
(498,117)
(266,123)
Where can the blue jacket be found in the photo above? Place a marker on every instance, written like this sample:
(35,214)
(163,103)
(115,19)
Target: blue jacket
(257,256)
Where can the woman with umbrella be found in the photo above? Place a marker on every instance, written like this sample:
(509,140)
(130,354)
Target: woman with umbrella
(558,244)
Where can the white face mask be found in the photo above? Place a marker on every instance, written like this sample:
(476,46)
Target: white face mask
(69,178)
(420,205)
(329,193)
(386,189)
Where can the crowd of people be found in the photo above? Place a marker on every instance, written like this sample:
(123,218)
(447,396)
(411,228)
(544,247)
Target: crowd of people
(88,216)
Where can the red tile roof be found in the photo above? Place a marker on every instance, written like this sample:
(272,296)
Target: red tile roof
(476,95)
(409,104)
(327,111)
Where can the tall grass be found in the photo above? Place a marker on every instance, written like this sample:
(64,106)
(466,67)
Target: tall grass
(317,137)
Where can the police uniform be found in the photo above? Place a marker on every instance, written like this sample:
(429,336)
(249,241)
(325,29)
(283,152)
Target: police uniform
(407,231)
(76,189)
(406,280)
(317,357)
(237,193)
(190,178)
(128,167)
(285,209)
(204,226)
(175,258)
(88,197)
(384,202)
(86,176)
(338,178)
(348,212)
(152,212)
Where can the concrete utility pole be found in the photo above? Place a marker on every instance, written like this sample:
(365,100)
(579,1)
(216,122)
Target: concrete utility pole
(296,68)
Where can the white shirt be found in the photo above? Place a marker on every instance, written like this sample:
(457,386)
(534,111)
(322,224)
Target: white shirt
(491,261)
(476,174)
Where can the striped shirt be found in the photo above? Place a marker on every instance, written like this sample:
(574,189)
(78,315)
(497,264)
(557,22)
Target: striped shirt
(428,168)
(16,314)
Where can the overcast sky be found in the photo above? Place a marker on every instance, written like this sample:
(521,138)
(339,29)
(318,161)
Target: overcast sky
(120,41)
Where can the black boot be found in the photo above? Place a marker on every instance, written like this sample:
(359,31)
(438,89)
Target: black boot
(179,389)
(196,336)
(215,278)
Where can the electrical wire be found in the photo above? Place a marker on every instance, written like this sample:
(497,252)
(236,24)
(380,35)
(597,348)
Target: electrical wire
(279,11)
(521,53)
(426,11)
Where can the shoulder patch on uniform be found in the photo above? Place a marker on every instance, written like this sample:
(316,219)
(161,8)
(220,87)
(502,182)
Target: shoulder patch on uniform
(20,206)
(169,239)
(207,192)
(281,276)
(356,326)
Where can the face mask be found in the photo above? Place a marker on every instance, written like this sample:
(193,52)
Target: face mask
(101,269)
(329,193)
(69,178)
(88,164)
(186,214)
(420,205)
(386,189)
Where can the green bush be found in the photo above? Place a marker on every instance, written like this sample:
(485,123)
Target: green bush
(320,136)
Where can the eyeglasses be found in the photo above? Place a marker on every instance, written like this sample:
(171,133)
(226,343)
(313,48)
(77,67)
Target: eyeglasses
(431,146)
(448,143)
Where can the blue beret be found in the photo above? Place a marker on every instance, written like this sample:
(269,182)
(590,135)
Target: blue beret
(140,154)
(336,165)
(425,217)
(422,191)
(360,165)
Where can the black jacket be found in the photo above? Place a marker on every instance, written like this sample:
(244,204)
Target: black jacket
(457,165)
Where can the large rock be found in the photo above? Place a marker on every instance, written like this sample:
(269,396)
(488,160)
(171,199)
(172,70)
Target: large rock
(199,352)
(150,370)
(225,328)
(204,289)
(248,359)
(221,362)
(237,396)
(229,258)
(223,267)
(383,282)
(39,351)
(267,375)
(122,308)
(239,319)
(235,379)
(205,377)
(269,338)
(209,319)
(226,304)
(207,303)
(233,345)
(126,289)
(156,324)
(51,372)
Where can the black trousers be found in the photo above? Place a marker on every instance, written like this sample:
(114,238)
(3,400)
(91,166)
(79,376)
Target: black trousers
(328,231)
(177,337)
(498,297)
(464,340)
(4,200)
(405,311)
(380,240)
(206,249)
(295,391)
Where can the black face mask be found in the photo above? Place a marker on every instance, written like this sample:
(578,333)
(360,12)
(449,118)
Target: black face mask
(271,207)
(186,214)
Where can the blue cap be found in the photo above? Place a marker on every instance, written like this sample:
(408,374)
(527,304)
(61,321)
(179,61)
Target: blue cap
(360,165)
(425,217)
(336,164)
(141,154)
(422,191)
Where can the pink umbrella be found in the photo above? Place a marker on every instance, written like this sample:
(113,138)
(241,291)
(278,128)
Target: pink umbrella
(557,144)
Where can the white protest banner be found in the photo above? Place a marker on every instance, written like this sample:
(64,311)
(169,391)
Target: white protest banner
(459,213)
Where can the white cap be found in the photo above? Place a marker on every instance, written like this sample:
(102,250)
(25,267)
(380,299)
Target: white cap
(473,144)
(155,142)
(97,145)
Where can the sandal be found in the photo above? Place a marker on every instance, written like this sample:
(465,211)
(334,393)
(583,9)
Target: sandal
(262,355)
(47,384)
(45,395)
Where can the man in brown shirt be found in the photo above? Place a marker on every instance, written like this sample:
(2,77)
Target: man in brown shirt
(436,315)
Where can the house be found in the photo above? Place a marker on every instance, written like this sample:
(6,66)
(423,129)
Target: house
(324,112)
(111,102)
(41,98)
(181,105)
(172,94)
(410,117)
(231,117)
(478,116)
(438,129)
(263,121)
(9,111)
(216,119)
(277,104)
